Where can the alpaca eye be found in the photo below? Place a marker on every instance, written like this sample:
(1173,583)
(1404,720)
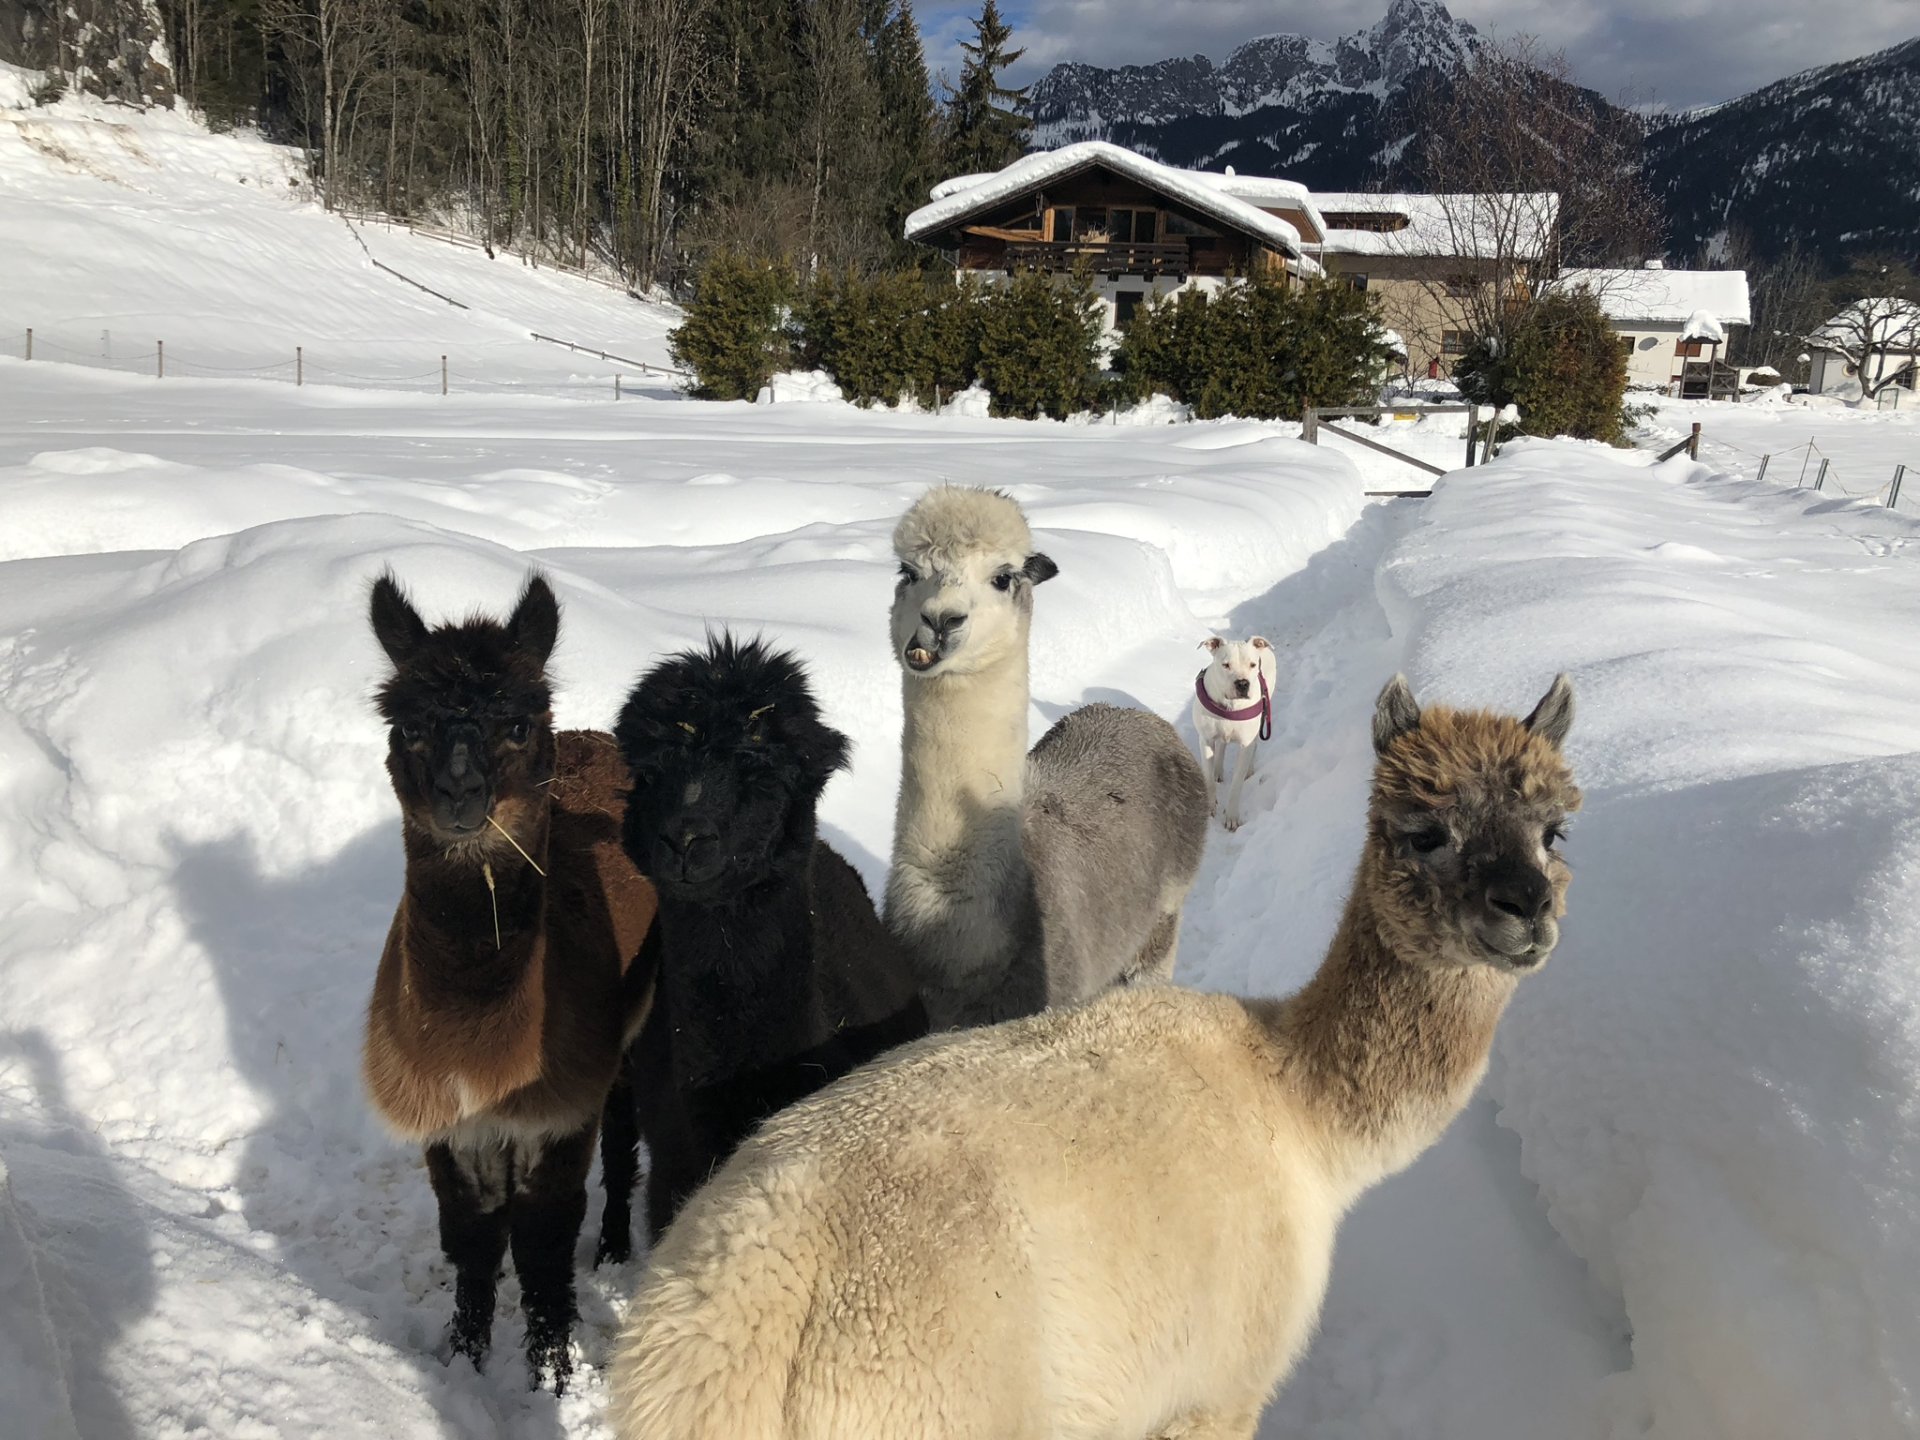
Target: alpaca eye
(410,732)
(907,577)
(518,731)
(1003,581)
(1555,835)
(1425,842)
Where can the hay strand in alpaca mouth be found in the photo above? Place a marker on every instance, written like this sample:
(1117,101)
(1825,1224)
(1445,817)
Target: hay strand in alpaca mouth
(516,845)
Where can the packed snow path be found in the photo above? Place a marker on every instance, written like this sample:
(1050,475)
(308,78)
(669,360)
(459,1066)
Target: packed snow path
(1683,1205)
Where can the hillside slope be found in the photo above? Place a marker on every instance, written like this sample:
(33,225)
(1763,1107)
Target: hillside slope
(123,227)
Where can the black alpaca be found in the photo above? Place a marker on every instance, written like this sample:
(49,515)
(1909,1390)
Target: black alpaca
(776,975)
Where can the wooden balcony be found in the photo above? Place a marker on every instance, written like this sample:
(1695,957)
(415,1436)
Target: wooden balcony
(1113,258)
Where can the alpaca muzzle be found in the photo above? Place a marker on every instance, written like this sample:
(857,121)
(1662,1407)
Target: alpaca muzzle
(462,798)
(934,639)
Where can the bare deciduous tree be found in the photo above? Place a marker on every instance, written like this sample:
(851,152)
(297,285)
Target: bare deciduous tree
(1876,330)
(1530,173)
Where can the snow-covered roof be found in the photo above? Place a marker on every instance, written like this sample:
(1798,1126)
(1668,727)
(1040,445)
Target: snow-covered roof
(1896,320)
(1666,297)
(957,199)
(959,183)
(1516,225)
(1702,326)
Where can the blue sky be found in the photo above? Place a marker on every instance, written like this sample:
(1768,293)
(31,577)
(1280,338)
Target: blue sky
(1676,52)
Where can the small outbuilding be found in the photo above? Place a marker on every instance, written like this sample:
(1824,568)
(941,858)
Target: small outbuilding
(1673,324)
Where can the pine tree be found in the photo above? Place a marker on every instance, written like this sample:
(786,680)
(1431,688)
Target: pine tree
(985,131)
(906,117)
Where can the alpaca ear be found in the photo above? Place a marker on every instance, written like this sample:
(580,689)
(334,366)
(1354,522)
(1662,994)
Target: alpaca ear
(536,620)
(1394,714)
(1552,718)
(1212,642)
(826,749)
(1040,567)
(1259,642)
(396,624)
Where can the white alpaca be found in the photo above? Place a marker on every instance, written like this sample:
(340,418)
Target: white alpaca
(1021,881)
(1114,1221)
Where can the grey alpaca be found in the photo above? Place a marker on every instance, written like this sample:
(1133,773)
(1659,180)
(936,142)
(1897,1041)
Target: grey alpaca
(1021,881)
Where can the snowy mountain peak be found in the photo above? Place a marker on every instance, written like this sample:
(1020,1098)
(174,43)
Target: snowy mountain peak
(1081,102)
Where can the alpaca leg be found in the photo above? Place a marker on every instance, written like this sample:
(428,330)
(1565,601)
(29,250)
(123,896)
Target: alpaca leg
(619,1164)
(472,1190)
(546,1213)
(1240,773)
(1154,963)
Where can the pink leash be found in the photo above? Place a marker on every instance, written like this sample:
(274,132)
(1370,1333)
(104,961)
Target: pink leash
(1261,708)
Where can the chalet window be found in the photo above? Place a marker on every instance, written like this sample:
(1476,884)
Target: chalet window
(1090,223)
(1355,281)
(1461,286)
(1131,227)
(1180,226)
(1688,347)
(1062,223)
(1626,344)
(1453,342)
(1126,304)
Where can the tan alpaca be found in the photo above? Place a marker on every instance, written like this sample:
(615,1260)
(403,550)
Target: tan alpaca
(1115,1221)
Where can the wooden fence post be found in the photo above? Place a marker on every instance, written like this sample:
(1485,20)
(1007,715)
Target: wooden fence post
(443,374)
(161,372)
(1761,474)
(1693,442)
(1820,480)
(29,342)
(1893,494)
(616,384)
(1473,436)
(299,365)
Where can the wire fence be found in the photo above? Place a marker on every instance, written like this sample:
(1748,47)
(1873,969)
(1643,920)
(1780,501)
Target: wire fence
(615,377)
(1808,467)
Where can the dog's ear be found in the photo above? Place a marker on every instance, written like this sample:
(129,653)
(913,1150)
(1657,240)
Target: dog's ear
(1212,642)
(1259,642)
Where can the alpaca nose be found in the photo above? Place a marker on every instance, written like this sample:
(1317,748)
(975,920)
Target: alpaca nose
(942,626)
(1524,895)
(460,789)
(692,849)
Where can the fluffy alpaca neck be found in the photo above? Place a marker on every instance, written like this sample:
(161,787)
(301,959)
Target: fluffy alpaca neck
(466,944)
(747,968)
(1384,1050)
(958,875)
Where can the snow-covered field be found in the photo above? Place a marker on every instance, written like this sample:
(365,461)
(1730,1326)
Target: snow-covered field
(1685,1205)
(1862,447)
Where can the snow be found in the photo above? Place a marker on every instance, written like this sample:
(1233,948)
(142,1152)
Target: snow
(1470,226)
(1047,166)
(1701,325)
(1792,434)
(1662,296)
(1893,323)
(1683,1206)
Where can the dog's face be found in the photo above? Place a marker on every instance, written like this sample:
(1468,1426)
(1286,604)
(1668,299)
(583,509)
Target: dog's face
(1234,673)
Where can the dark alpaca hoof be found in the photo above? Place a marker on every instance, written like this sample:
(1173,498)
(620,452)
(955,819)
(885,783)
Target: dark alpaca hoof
(615,1248)
(549,1361)
(468,1338)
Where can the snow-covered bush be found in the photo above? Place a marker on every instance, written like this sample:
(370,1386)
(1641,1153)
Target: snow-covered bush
(734,336)
(1560,362)
(1259,349)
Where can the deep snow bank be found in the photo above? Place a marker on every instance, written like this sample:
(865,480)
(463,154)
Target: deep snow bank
(198,854)
(1715,1081)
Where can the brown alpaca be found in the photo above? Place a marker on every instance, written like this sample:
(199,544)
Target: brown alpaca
(1115,1219)
(508,988)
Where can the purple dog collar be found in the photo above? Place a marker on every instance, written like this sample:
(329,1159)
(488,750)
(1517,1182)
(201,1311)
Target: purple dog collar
(1261,709)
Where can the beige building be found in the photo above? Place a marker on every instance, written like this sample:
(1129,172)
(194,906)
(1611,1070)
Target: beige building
(1673,324)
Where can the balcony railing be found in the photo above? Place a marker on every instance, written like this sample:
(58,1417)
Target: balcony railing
(1103,257)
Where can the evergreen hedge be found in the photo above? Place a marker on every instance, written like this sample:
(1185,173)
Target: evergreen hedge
(1259,348)
(1559,361)
(734,336)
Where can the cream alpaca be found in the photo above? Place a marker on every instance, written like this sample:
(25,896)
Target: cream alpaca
(1115,1221)
(1021,881)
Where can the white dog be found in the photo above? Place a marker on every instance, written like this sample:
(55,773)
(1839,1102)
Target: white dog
(1233,705)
